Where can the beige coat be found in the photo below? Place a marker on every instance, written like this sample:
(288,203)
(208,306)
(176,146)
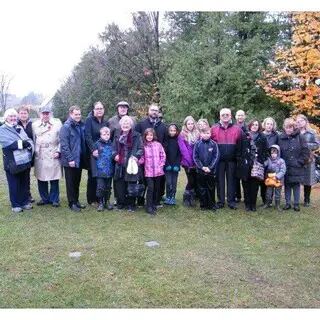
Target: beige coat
(47,143)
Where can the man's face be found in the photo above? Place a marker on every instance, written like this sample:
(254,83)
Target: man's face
(122,110)
(153,112)
(45,116)
(240,116)
(105,135)
(225,116)
(76,115)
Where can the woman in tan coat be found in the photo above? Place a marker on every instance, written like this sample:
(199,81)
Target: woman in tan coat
(47,166)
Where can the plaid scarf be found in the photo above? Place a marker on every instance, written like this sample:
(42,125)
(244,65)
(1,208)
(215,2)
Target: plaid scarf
(125,141)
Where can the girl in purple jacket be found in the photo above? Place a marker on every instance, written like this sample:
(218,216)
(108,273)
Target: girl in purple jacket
(154,160)
(187,139)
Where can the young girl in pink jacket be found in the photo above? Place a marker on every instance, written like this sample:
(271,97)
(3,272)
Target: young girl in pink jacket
(154,160)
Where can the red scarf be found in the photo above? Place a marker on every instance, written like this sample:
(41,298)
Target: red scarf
(129,143)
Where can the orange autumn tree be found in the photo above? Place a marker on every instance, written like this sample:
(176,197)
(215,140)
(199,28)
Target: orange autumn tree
(295,72)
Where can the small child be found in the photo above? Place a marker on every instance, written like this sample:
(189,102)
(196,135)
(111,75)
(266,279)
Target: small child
(276,170)
(206,157)
(154,159)
(105,169)
(172,167)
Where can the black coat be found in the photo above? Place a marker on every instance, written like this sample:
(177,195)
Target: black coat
(136,150)
(159,127)
(295,152)
(247,151)
(272,138)
(92,135)
(173,154)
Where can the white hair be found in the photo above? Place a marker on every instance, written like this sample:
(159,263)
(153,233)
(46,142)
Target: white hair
(10,112)
(125,118)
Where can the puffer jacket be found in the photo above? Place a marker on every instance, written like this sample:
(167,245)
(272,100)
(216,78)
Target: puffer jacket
(295,152)
(154,159)
(277,166)
(104,162)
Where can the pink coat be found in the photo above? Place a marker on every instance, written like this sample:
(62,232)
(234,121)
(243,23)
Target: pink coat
(154,159)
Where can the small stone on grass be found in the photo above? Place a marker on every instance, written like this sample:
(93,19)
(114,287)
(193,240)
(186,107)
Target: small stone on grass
(152,244)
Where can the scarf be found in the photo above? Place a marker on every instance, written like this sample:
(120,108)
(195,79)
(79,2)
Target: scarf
(10,134)
(125,141)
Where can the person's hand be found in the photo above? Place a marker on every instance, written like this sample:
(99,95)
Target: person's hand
(134,158)
(72,164)
(116,158)
(95,153)
(56,155)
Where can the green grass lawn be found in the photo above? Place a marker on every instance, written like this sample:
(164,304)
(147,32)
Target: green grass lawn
(228,259)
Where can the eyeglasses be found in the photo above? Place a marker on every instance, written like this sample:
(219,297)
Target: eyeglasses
(226,115)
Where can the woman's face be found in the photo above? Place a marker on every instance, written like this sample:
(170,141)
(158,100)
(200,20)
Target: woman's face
(190,125)
(23,115)
(125,125)
(301,123)
(268,127)
(289,130)
(12,119)
(255,126)
(98,110)
(202,125)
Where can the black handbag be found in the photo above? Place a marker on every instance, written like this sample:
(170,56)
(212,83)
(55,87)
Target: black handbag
(136,190)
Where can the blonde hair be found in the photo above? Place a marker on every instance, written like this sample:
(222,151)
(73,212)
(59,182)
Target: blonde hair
(105,129)
(203,120)
(274,128)
(302,116)
(289,122)
(186,132)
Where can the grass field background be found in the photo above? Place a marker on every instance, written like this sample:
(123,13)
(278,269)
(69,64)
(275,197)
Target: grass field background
(227,259)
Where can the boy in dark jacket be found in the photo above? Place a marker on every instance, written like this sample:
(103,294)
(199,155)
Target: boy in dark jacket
(276,170)
(206,157)
(172,167)
(104,169)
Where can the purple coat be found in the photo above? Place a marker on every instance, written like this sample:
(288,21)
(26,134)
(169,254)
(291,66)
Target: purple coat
(186,151)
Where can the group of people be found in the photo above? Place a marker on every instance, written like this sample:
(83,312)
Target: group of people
(141,161)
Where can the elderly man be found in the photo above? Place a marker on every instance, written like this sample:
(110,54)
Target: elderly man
(123,109)
(227,135)
(73,155)
(47,166)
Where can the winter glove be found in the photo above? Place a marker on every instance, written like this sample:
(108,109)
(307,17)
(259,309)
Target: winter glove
(176,169)
(168,168)
(26,144)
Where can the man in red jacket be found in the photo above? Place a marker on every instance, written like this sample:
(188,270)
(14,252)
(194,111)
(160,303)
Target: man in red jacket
(226,135)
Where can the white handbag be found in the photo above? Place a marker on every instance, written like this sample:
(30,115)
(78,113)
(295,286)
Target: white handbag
(132,167)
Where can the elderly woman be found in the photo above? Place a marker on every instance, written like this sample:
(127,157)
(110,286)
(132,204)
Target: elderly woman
(310,168)
(47,166)
(17,149)
(127,143)
(94,122)
(295,152)
(26,123)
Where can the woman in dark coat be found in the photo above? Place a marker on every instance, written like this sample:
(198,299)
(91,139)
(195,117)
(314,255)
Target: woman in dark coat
(310,168)
(17,150)
(127,143)
(252,146)
(94,122)
(295,152)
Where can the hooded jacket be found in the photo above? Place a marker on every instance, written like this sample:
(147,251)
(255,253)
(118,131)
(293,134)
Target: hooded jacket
(171,148)
(277,166)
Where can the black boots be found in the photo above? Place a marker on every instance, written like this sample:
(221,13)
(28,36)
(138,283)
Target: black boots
(278,206)
(267,204)
(307,193)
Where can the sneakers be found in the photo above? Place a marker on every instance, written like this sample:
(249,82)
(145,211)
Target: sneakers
(27,207)
(17,209)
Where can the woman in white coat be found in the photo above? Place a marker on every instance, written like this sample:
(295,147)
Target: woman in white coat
(47,166)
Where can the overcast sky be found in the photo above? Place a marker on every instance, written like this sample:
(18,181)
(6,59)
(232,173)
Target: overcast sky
(41,41)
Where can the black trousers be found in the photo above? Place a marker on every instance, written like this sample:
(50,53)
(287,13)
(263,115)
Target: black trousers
(252,189)
(104,187)
(121,187)
(191,174)
(91,188)
(73,179)
(226,169)
(206,188)
(153,190)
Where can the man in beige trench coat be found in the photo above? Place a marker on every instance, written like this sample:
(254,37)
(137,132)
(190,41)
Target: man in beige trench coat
(47,166)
